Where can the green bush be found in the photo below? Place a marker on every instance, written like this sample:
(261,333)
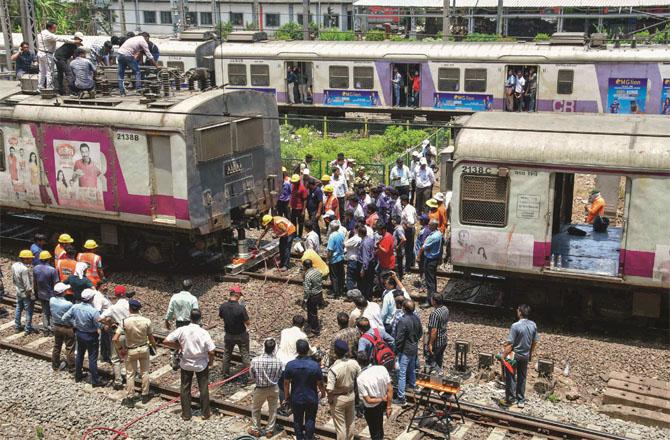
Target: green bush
(334,34)
(662,36)
(289,31)
(375,35)
(482,37)
(542,37)
(224,29)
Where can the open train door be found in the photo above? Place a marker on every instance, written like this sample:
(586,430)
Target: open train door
(160,168)
(302,89)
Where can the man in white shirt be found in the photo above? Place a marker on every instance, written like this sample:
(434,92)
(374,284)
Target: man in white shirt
(127,56)
(408,220)
(364,309)
(287,351)
(400,177)
(519,91)
(46,46)
(111,318)
(376,391)
(312,239)
(425,178)
(197,348)
(339,184)
(351,248)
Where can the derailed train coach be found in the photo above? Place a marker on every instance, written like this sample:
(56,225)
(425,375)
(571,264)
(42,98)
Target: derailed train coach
(520,184)
(173,177)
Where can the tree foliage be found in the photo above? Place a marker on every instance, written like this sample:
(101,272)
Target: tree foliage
(375,35)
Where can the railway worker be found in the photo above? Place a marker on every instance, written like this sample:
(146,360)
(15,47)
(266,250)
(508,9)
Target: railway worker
(111,319)
(95,272)
(78,281)
(350,335)
(284,195)
(59,251)
(63,333)
(24,60)
(339,184)
(302,377)
(432,205)
(335,250)
(442,217)
(431,254)
(291,81)
(331,203)
(39,244)
(408,334)
(425,179)
(596,206)
(340,388)
(46,47)
(235,321)
(298,199)
(63,55)
(46,277)
(285,231)
(66,264)
(83,72)
(314,205)
(523,337)
(266,371)
(134,348)
(99,54)
(368,262)
(197,348)
(85,320)
(312,290)
(376,390)
(408,222)
(438,321)
(127,56)
(400,177)
(392,287)
(22,276)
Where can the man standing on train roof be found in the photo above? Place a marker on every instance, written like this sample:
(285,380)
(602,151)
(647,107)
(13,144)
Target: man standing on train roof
(127,56)
(285,231)
(59,251)
(39,243)
(596,206)
(85,170)
(46,47)
(95,272)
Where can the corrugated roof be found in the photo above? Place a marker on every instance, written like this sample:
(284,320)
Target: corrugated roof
(515,3)
(639,142)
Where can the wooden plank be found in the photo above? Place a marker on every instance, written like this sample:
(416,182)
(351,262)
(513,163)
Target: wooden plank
(461,430)
(37,342)
(618,397)
(161,371)
(7,325)
(14,337)
(497,434)
(637,415)
(241,394)
(642,381)
(638,389)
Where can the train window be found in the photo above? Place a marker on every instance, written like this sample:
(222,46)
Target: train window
(484,200)
(448,79)
(214,141)
(179,65)
(475,80)
(364,77)
(564,82)
(237,74)
(339,77)
(3,166)
(249,134)
(260,75)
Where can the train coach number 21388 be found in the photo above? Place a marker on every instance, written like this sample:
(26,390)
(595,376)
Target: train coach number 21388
(473,169)
(127,137)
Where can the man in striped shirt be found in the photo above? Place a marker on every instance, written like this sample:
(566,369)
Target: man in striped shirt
(437,333)
(313,286)
(265,370)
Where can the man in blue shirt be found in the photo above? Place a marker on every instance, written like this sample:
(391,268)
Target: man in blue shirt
(84,318)
(523,339)
(63,333)
(24,59)
(46,277)
(366,255)
(37,247)
(336,259)
(302,376)
(284,195)
(314,204)
(430,254)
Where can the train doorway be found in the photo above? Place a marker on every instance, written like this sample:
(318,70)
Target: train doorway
(521,85)
(162,192)
(402,79)
(301,90)
(588,229)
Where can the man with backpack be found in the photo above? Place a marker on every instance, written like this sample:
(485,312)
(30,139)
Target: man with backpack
(376,343)
(409,334)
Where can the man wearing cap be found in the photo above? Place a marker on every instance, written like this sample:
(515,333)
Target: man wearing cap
(67,263)
(84,318)
(336,259)
(400,177)
(340,388)
(285,231)
(138,337)
(235,322)
(22,276)
(430,255)
(297,204)
(63,333)
(62,56)
(266,371)
(596,206)
(332,203)
(431,204)
(284,195)
(339,184)
(94,272)
(63,240)
(111,319)
(45,277)
(425,179)
(442,218)
(314,205)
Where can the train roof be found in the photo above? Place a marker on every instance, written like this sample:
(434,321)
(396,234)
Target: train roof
(441,51)
(634,142)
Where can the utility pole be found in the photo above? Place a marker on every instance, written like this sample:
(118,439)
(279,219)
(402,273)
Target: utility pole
(305,20)
(256,10)
(499,18)
(137,15)
(6,32)
(215,15)
(28,23)
(122,13)
(446,24)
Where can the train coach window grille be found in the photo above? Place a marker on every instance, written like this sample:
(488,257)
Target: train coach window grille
(448,79)
(179,65)
(166,17)
(339,77)
(475,80)
(149,17)
(260,75)
(364,77)
(237,74)
(565,81)
(484,200)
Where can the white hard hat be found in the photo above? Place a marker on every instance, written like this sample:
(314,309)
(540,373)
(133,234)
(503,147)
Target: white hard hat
(423,161)
(439,197)
(425,142)
(415,154)
(79,36)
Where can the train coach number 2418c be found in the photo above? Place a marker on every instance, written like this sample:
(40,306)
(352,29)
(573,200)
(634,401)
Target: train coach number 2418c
(474,169)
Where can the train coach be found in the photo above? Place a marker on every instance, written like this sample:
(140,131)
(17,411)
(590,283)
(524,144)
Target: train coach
(454,77)
(519,186)
(174,177)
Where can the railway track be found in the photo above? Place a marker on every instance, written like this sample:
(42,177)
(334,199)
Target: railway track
(496,422)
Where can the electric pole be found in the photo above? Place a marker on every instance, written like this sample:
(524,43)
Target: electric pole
(446,25)
(215,15)
(499,18)
(122,8)
(305,20)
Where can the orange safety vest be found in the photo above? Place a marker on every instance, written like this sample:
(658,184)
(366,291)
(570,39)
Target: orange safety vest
(330,201)
(59,252)
(65,268)
(282,227)
(442,217)
(94,261)
(597,208)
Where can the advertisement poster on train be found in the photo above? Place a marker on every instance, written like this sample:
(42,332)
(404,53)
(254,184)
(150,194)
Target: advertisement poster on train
(665,97)
(627,95)
(463,101)
(24,165)
(353,98)
(80,174)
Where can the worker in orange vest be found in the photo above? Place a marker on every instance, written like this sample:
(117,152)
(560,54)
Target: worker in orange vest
(596,208)
(65,265)
(442,218)
(332,203)
(433,213)
(95,272)
(59,252)
(285,231)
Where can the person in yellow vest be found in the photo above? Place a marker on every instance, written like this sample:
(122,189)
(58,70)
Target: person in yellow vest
(285,231)
(95,272)
(63,240)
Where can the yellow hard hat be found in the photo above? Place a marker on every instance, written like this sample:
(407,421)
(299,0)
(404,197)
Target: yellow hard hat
(295,178)
(283,169)
(45,255)
(65,238)
(431,203)
(26,254)
(328,189)
(90,244)
(267,218)
(325,178)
